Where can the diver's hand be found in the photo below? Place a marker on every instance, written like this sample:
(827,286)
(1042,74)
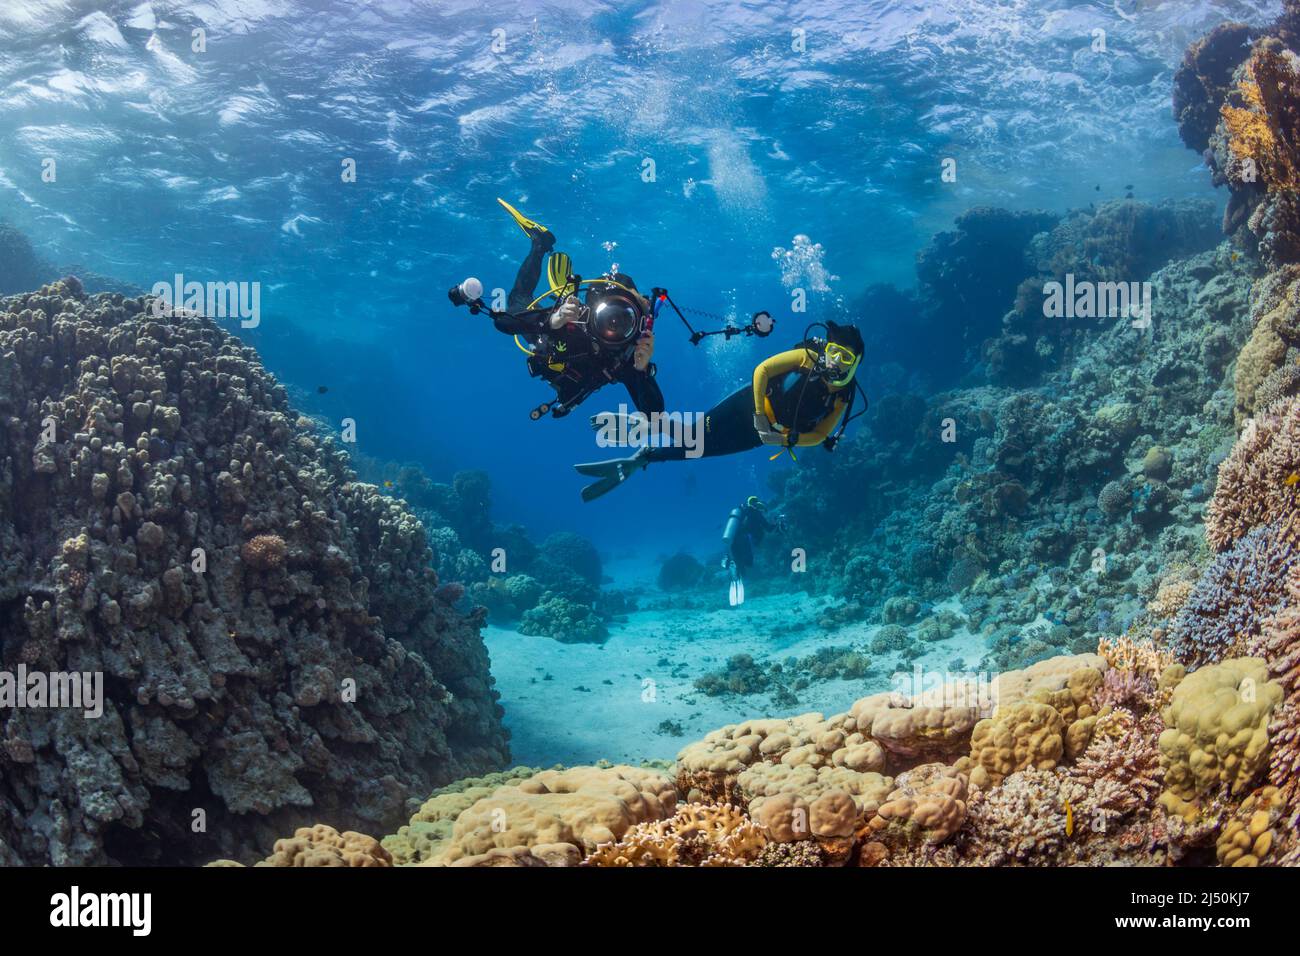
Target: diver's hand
(570,310)
(765,432)
(645,350)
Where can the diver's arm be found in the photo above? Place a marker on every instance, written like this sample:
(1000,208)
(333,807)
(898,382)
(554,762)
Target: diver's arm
(528,322)
(828,422)
(643,389)
(780,364)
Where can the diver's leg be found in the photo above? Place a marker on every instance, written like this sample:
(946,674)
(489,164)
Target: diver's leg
(728,429)
(529,273)
(743,553)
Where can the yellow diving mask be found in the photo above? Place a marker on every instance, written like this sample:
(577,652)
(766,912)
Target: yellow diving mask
(841,362)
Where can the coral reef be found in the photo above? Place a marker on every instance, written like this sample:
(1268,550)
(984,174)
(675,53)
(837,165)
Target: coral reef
(272,645)
(1216,736)
(583,807)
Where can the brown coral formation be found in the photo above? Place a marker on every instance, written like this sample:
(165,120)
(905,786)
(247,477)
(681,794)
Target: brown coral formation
(583,807)
(1216,736)
(1255,830)
(152,465)
(322,845)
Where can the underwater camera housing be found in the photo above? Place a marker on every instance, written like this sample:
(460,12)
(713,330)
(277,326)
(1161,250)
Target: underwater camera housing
(468,293)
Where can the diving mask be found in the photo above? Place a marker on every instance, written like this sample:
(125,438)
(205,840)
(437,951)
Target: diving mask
(841,363)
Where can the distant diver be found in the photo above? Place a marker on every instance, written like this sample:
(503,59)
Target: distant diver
(795,400)
(744,531)
(576,346)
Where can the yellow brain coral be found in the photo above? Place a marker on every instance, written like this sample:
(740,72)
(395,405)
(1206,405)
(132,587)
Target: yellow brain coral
(581,806)
(423,837)
(1025,734)
(1249,837)
(1216,736)
(910,729)
(709,767)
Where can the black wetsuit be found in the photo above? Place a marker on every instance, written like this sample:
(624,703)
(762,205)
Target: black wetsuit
(729,425)
(586,365)
(753,526)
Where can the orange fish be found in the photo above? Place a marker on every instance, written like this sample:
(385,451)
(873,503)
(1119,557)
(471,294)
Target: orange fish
(1069,819)
(1292,478)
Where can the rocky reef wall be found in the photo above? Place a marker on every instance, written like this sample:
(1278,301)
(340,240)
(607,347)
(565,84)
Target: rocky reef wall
(272,639)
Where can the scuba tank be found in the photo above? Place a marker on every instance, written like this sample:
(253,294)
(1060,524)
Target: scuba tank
(732,527)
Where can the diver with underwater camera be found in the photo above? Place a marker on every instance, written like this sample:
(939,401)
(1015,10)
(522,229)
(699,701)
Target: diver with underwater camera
(589,332)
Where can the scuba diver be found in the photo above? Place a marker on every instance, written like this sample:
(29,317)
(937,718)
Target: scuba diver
(794,401)
(575,346)
(744,531)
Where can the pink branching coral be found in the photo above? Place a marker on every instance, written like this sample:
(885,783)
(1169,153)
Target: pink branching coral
(1279,645)
(1120,769)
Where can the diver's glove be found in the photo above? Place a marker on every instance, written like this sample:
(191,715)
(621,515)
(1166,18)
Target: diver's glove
(765,431)
(570,310)
(644,351)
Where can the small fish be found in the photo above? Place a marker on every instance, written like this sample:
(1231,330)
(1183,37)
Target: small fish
(1069,819)
(1097,187)
(1234,256)
(1129,186)
(322,389)
(387,483)
(1292,478)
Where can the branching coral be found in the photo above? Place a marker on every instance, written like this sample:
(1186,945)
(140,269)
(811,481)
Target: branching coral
(1257,481)
(1120,770)
(1236,594)
(266,552)
(696,835)
(1279,644)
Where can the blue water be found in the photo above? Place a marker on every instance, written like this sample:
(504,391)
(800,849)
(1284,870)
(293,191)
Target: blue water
(225,165)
